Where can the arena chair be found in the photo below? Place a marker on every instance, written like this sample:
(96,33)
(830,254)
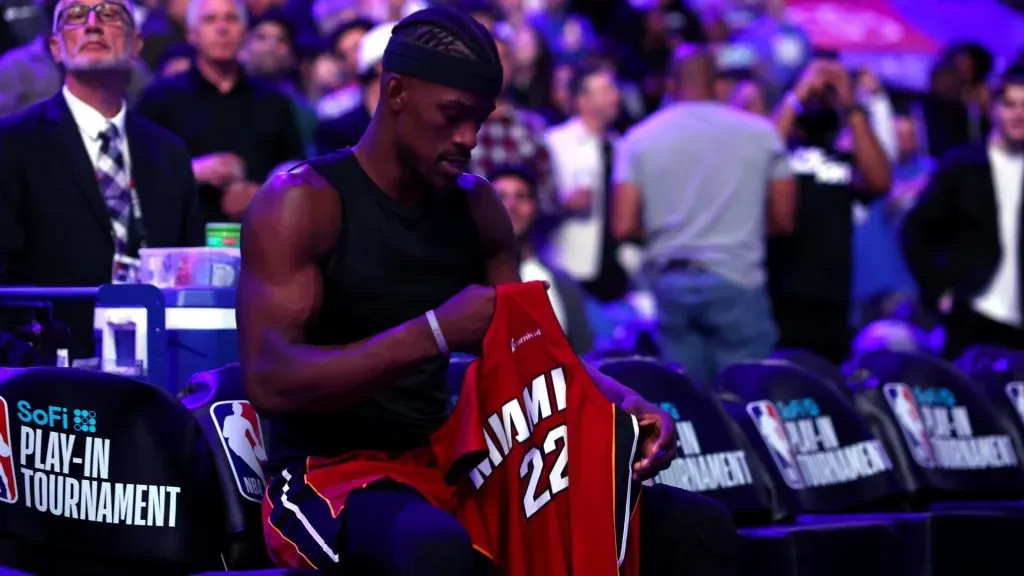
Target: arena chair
(980,357)
(103,475)
(953,529)
(713,455)
(944,435)
(708,434)
(236,438)
(817,365)
(827,468)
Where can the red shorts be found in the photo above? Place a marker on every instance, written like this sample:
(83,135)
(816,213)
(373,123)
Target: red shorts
(303,504)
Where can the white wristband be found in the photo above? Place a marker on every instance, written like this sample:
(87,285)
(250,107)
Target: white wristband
(438,335)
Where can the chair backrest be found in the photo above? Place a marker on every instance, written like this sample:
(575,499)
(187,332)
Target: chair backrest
(712,455)
(103,471)
(943,433)
(979,357)
(817,365)
(810,437)
(237,438)
(998,374)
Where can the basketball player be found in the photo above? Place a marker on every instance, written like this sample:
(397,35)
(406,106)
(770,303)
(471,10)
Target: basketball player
(361,270)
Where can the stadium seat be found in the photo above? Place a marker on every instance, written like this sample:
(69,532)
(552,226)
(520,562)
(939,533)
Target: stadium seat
(103,475)
(816,365)
(945,437)
(712,456)
(235,433)
(979,356)
(825,465)
(811,437)
(857,546)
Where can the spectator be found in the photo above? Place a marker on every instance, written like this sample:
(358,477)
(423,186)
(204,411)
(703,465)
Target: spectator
(532,69)
(21,21)
(703,200)
(85,183)
(29,74)
(517,190)
(581,159)
(164,27)
(881,282)
(177,59)
(480,10)
(962,240)
(513,135)
(348,129)
(749,95)
(270,54)
(782,48)
(567,35)
(236,128)
(810,271)
(344,44)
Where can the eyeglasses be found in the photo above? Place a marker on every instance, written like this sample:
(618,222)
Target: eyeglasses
(109,13)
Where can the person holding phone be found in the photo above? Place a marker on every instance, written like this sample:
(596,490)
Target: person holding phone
(810,270)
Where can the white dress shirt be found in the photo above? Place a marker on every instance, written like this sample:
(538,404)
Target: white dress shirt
(1000,301)
(91,123)
(577,162)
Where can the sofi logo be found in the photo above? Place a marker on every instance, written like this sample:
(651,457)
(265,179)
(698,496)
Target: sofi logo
(57,417)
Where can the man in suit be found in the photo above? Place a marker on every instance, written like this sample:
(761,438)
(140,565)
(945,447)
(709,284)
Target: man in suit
(962,241)
(84,183)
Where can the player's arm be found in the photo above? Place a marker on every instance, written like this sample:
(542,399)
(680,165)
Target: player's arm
(290,228)
(502,267)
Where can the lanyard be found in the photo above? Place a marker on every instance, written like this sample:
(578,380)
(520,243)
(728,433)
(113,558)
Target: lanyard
(136,215)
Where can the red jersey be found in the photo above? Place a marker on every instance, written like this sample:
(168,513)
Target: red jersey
(541,460)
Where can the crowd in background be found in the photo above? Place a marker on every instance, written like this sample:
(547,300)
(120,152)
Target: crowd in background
(636,146)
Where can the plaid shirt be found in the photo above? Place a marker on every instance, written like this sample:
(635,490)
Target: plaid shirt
(516,137)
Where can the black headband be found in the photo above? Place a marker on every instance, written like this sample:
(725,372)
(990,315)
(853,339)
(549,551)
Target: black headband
(411,59)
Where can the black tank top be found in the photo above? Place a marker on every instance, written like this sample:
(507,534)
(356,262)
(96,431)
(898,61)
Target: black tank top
(392,263)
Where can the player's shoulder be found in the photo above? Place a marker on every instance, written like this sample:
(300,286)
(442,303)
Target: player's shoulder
(478,191)
(301,197)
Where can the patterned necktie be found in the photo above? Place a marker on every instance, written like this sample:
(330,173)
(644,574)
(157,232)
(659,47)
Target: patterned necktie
(115,186)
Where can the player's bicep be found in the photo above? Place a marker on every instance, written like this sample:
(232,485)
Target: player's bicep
(280,287)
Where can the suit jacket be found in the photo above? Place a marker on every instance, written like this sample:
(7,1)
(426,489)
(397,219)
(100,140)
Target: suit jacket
(950,237)
(54,226)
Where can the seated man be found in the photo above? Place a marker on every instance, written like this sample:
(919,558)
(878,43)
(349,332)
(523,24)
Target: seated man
(360,270)
(517,189)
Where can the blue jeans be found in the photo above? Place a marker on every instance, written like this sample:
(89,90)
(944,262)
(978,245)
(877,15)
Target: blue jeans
(707,322)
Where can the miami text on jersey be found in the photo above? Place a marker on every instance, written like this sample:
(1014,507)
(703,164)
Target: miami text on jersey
(514,423)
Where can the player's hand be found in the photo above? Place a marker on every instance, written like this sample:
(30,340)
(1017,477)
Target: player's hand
(465,318)
(658,439)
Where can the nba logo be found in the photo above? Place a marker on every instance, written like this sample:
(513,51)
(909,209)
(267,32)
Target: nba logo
(904,408)
(240,433)
(8,482)
(1015,392)
(769,425)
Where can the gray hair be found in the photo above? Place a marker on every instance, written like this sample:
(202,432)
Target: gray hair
(192,15)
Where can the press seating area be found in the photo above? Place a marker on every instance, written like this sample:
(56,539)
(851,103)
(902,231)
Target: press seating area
(897,464)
